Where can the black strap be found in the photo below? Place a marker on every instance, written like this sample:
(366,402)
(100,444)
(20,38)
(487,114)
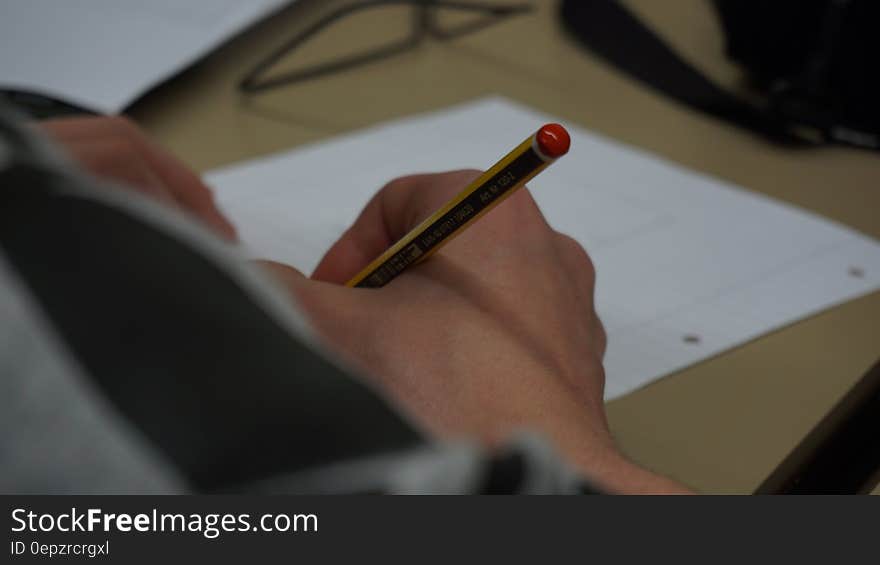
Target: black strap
(612,32)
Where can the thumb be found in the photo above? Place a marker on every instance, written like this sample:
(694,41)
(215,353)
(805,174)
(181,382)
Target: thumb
(324,304)
(396,209)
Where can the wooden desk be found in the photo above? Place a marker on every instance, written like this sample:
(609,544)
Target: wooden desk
(720,426)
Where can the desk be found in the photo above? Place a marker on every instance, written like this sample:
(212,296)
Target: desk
(720,426)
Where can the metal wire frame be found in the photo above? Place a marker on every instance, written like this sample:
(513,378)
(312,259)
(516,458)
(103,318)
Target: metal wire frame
(424,26)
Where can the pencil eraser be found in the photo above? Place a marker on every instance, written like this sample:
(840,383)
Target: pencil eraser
(553,140)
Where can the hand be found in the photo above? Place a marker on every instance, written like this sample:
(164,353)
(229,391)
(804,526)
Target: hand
(493,334)
(117,150)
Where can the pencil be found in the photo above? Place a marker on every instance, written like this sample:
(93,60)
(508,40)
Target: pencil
(516,168)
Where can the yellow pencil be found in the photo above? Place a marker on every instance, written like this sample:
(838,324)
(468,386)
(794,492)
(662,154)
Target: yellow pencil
(513,170)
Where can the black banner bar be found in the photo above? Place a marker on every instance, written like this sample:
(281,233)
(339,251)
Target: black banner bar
(292,529)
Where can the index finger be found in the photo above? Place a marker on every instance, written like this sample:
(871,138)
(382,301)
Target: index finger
(398,207)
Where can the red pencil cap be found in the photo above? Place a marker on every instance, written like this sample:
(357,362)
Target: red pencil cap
(553,140)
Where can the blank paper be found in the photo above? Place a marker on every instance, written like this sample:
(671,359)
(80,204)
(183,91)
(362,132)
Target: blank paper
(688,265)
(104,54)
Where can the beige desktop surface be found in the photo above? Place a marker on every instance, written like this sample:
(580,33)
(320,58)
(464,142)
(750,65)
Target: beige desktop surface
(720,426)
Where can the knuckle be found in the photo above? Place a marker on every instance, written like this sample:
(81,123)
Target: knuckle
(522,201)
(124,125)
(522,214)
(400,183)
(571,246)
(576,255)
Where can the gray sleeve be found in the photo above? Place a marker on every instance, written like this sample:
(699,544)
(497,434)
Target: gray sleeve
(57,433)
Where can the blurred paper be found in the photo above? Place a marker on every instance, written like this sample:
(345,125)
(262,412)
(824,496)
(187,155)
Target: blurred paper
(688,266)
(104,54)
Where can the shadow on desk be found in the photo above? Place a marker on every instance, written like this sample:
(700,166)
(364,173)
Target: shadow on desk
(841,455)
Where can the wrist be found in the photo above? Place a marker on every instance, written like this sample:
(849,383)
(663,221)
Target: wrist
(611,471)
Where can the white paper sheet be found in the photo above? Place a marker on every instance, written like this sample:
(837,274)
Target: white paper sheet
(103,54)
(677,253)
